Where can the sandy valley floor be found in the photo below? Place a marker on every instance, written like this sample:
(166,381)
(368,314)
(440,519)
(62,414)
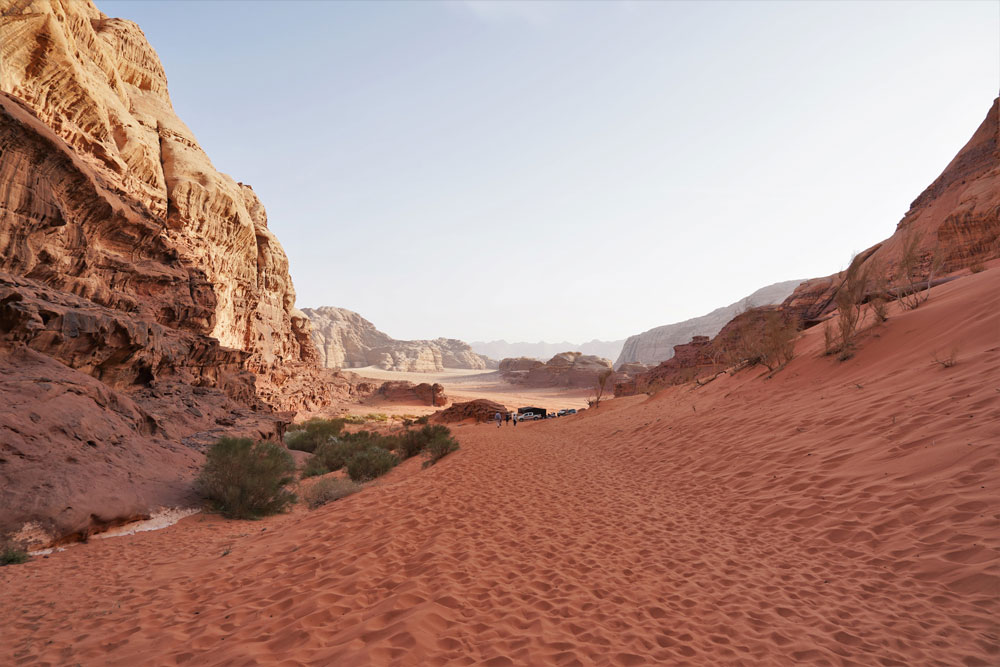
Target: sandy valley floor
(838,513)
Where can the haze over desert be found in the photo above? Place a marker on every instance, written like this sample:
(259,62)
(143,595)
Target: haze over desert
(766,471)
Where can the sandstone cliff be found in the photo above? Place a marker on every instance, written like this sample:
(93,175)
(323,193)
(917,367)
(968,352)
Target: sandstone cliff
(956,218)
(145,308)
(656,345)
(344,339)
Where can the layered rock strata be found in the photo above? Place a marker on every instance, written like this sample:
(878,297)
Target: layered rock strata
(344,339)
(145,308)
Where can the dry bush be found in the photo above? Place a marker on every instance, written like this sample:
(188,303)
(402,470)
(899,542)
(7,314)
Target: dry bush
(327,490)
(913,290)
(763,336)
(878,285)
(829,339)
(850,304)
(946,361)
(977,267)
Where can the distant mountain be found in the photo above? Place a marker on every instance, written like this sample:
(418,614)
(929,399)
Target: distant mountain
(501,349)
(344,339)
(656,345)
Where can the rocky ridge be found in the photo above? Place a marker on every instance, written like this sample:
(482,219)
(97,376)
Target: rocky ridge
(344,339)
(656,345)
(956,220)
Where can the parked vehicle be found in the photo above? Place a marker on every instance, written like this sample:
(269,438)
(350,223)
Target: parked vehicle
(528,416)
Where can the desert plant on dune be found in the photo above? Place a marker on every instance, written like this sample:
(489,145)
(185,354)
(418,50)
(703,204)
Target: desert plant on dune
(245,480)
(440,446)
(370,463)
(913,290)
(12,555)
(600,388)
(306,437)
(878,287)
(849,300)
(761,336)
(328,490)
(946,360)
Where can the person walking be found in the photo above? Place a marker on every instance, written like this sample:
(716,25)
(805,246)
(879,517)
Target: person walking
(515,420)
(499,420)
(507,418)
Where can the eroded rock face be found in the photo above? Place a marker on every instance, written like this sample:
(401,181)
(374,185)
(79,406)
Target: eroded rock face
(96,83)
(344,339)
(957,218)
(145,308)
(424,393)
(566,369)
(656,345)
(481,409)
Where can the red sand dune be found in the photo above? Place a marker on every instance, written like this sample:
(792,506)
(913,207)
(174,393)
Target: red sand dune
(838,513)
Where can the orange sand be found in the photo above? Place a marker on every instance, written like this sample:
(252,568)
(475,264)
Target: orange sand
(839,513)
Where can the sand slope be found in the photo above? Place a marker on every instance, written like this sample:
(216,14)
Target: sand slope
(839,513)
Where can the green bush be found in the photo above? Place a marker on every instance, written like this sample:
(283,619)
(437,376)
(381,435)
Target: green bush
(245,480)
(440,446)
(11,555)
(354,419)
(328,490)
(422,420)
(376,417)
(370,463)
(413,442)
(308,436)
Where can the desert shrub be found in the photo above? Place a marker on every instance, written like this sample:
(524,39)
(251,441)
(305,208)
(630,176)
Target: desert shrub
(600,387)
(440,446)
(354,419)
(414,442)
(244,479)
(314,467)
(308,436)
(946,360)
(913,291)
(761,336)
(422,420)
(370,463)
(849,300)
(327,490)
(977,267)
(829,339)
(376,417)
(878,286)
(12,555)
(335,455)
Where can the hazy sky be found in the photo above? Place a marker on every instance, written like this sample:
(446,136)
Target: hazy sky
(571,171)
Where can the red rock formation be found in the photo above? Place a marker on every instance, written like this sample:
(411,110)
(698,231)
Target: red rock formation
(145,308)
(408,392)
(958,216)
(567,369)
(481,410)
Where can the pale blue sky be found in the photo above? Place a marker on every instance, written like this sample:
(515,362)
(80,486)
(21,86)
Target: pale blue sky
(528,171)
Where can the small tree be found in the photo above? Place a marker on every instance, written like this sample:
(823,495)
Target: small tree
(245,480)
(600,387)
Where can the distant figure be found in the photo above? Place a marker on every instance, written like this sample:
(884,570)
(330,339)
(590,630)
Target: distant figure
(499,420)
(507,417)
(515,420)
